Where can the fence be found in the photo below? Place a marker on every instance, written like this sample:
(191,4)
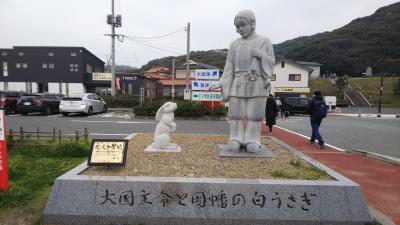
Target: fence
(52,135)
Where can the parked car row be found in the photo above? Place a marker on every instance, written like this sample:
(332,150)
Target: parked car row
(87,103)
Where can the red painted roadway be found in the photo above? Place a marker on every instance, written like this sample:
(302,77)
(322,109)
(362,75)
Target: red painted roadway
(380,181)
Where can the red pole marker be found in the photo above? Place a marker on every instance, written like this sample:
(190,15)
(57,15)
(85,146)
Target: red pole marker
(3,153)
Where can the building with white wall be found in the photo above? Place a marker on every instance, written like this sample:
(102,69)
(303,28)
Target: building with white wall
(290,78)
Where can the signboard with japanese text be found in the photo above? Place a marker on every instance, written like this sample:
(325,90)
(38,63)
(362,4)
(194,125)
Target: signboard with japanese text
(206,96)
(101,76)
(202,85)
(292,89)
(3,154)
(108,152)
(203,74)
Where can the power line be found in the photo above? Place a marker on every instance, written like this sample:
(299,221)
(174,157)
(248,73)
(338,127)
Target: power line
(159,45)
(148,45)
(161,36)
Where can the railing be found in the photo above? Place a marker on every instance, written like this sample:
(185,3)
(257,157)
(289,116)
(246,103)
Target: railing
(47,135)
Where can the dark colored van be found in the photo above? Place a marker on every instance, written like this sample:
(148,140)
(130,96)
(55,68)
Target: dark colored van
(9,101)
(44,103)
(296,105)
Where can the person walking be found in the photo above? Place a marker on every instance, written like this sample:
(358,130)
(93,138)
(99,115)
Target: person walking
(317,110)
(280,107)
(271,112)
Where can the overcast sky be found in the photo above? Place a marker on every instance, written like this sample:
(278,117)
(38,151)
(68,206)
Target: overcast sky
(83,23)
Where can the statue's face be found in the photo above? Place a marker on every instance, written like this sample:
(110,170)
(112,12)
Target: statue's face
(243,27)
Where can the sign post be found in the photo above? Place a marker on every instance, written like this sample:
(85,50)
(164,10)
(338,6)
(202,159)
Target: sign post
(3,153)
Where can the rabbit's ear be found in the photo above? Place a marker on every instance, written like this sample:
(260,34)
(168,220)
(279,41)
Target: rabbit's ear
(159,113)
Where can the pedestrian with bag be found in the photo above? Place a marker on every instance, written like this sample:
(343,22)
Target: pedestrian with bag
(271,112)
(317,110)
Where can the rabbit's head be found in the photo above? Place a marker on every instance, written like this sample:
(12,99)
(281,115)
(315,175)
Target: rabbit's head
(168,107)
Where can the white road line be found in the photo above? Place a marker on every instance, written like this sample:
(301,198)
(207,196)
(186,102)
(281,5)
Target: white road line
(100,121)
(308,138)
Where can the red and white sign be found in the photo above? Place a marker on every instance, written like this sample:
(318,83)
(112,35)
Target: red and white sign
(3,153)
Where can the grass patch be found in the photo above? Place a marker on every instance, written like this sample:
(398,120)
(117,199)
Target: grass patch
(370,86)
(33,167)
(327,88)
(301,171)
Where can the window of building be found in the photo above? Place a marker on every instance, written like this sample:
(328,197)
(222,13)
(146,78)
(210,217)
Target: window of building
(73,67)
(44,65)
(73,53)
(89,68)
(273,77)
(20,54)
(4,53)
(51,53)
(24,65)
(18,65)
(294,77)
(51,65)
(5,69)
(283,64)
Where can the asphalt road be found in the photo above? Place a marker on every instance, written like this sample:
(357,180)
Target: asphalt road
(380,135)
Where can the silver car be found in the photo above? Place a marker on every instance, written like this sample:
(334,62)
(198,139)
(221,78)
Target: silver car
(87,103)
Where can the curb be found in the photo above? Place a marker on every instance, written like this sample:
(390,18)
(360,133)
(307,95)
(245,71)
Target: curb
(376,156)
(380,217)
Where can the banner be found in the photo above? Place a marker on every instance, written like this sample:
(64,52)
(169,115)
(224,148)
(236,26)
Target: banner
(117,84)
(3,153)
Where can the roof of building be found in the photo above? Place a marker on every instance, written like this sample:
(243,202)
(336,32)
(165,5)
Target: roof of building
(197,65)
(309,63)
(177,82)
(66,47)
(294,63)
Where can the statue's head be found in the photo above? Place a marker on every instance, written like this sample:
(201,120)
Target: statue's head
(245,23)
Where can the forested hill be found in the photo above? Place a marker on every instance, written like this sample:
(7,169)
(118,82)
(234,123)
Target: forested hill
(368,41)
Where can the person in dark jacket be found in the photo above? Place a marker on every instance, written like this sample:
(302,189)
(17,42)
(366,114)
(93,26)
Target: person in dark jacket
(271,112)
(317,111)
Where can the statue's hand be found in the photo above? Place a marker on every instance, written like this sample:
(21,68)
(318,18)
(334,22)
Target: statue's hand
(214,86)
(267,84)
(256,53)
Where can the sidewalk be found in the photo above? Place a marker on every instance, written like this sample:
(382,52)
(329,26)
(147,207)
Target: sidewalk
(380,181)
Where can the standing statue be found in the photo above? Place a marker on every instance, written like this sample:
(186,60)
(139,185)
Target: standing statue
(246,83)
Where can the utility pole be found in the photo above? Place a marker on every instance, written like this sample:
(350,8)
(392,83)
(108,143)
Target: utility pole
(380,97)
(112,52)
(187,55)
(114,21)
(173,79)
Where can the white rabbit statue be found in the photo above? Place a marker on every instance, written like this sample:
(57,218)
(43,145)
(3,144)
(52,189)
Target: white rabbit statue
(166,125)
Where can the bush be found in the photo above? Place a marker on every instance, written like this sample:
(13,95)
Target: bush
(221,111)
(189,109)
(121,101)
(397,87)
(185,108)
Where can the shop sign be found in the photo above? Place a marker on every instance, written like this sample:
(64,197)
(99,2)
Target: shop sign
(292,89)
(102,76)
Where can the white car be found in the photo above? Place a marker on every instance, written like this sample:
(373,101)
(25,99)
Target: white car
(87,103)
